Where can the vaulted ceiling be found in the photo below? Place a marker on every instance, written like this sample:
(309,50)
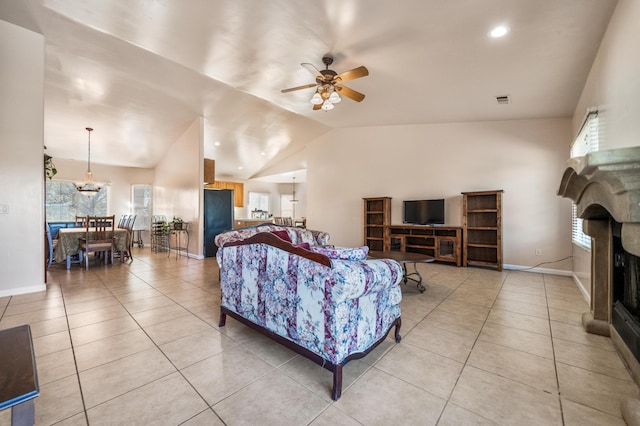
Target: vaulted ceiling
(140,71)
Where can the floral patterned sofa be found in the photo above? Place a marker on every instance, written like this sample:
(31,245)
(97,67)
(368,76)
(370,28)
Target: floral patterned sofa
(329,304)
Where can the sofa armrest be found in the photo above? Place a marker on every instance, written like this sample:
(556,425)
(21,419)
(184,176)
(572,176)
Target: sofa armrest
(354,279)
(277,242)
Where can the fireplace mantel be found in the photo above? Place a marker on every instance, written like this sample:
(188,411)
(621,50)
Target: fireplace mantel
(606,184)
(605,187)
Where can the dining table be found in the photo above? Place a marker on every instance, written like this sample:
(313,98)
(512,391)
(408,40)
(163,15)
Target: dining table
(69,242)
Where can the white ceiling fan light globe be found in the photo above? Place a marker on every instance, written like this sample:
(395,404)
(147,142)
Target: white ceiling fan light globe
(334,98)
(327,106)
(316,99)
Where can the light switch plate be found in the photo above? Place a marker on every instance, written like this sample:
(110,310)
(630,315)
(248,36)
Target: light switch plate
(4,208)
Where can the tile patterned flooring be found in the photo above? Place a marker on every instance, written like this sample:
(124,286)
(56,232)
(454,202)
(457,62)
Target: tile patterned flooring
(139,344)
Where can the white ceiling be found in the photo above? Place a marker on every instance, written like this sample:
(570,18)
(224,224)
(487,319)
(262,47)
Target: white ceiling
(140,71)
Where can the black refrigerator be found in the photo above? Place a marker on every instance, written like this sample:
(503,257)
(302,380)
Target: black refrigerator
(218,217)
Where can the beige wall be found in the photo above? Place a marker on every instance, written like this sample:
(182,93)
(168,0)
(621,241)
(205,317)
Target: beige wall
(524,158)
(613,87)
(21,160)
(178,184)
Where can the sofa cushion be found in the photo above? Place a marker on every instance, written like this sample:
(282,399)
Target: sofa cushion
(282,234)
(305,246)
(296,235)
(343,253)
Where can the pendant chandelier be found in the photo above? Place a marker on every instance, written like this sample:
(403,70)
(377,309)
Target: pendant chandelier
(294,200)
(88,187)
(293,196)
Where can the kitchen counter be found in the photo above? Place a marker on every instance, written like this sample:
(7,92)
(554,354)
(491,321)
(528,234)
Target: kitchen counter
(243,223)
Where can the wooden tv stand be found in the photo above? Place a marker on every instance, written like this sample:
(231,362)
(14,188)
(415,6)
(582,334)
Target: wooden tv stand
(444,243)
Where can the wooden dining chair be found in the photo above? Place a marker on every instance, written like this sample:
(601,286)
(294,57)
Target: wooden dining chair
(285,221)
(81,221)
(101,239)
(123,221)
(128,226)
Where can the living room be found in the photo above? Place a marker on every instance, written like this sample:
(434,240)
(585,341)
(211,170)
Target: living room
(524,157)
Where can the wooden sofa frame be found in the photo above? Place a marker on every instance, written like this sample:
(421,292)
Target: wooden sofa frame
(336,369)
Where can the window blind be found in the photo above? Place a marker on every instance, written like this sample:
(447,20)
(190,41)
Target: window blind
(141,203)
(586,142)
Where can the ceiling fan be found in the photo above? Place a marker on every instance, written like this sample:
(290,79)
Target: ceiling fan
(329,84)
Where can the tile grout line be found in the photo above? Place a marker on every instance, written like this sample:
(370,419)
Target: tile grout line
(154,343)
(75,360)
(553,349)
(464,365)
(177,370)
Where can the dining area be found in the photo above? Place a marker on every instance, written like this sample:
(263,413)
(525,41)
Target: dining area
(90,240)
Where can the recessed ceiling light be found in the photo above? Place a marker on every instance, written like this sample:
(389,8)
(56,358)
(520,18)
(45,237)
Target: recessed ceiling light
(216,143)
(240,167)
(263,153)
(499,31)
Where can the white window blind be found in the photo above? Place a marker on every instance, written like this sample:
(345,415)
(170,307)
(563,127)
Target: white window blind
(586,142)
(141,203)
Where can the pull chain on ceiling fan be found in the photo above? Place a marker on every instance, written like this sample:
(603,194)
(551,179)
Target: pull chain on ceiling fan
(328,85)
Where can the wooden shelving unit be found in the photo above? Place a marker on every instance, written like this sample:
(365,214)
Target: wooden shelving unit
(377,215)
(441,242)
(482,228)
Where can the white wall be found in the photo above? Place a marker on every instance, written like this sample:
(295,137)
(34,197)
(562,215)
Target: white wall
(178,184)
(613,87)
(524,158)
(21,160)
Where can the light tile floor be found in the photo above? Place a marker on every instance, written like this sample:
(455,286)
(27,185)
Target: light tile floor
(139,344)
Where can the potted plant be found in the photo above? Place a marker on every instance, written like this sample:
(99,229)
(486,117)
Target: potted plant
(165,228)
(177,223)
(49,168)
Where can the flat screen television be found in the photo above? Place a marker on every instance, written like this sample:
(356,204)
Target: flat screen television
(423,212)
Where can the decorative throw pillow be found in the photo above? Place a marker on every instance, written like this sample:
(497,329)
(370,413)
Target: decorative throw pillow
(343,253)
(284,235)
(305,246)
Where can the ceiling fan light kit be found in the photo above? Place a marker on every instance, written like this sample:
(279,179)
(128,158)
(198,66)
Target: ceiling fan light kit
(328,85)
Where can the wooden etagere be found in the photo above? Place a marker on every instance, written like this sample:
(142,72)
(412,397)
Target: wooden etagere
(482,228)
(377,215)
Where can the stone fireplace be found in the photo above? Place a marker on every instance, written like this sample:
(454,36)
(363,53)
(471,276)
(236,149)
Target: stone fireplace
(605,186)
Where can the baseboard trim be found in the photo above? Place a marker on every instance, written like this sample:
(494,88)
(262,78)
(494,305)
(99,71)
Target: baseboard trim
(23,290)
(583,290)
(537,270)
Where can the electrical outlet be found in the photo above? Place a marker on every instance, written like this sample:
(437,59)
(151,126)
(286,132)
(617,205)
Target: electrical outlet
(538,252)
(4,209)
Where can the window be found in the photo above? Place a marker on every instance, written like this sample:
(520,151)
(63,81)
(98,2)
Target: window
(258,202)
(286,206)
(64,202)
(141,206)
(586,142)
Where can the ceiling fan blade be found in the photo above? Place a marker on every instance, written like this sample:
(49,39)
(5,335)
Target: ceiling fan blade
(350,93)
(306,86)
(352,74)
(317,107)
(313,70)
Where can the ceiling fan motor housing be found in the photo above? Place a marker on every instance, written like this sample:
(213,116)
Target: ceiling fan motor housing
(328,76)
